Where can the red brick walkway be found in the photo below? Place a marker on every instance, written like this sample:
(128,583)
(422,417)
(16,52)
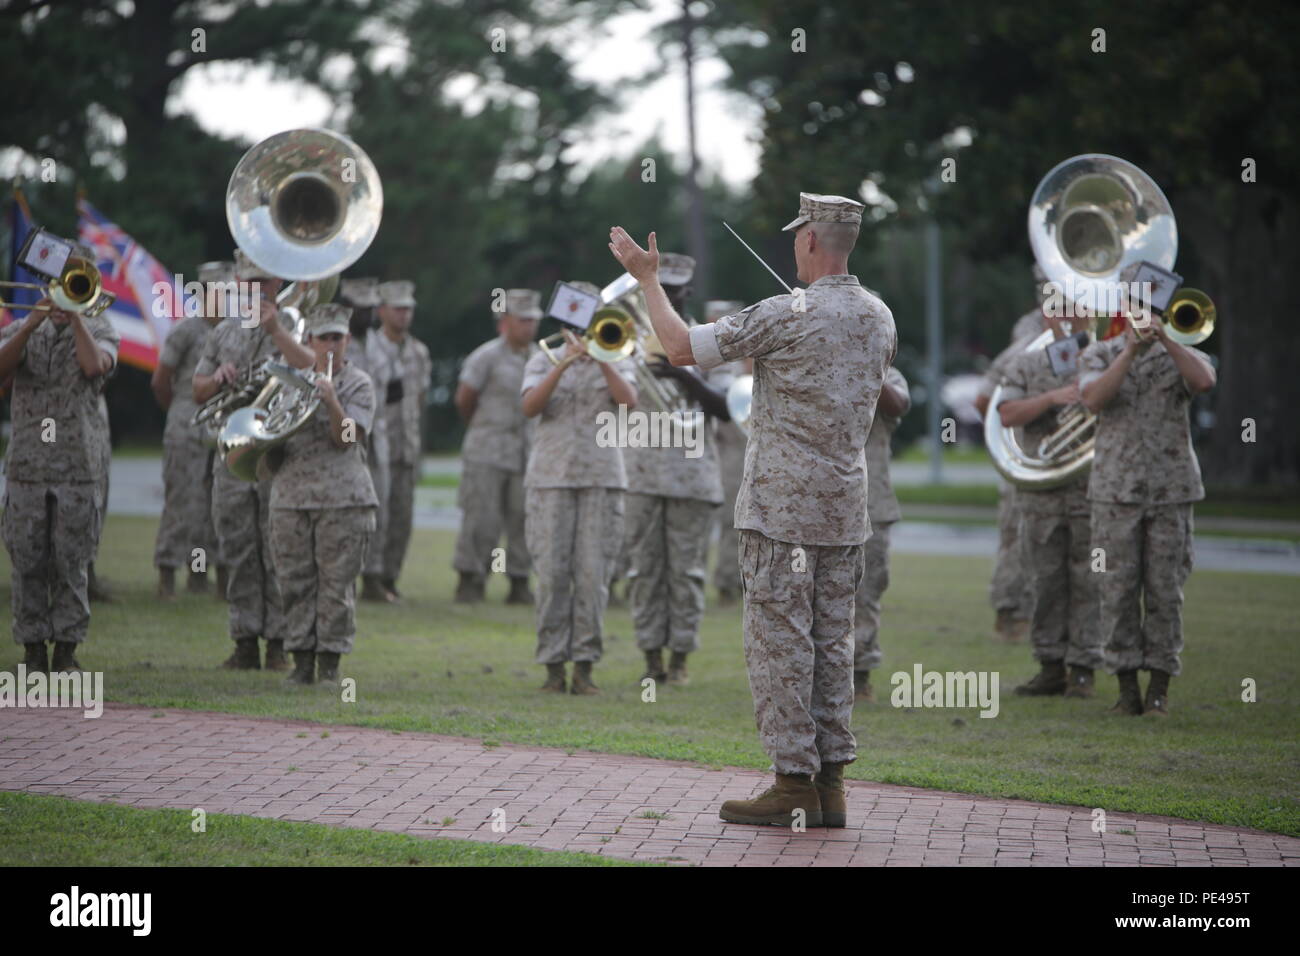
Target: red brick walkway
(448,786)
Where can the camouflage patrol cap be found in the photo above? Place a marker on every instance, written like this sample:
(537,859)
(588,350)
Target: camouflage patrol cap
(399,292)
(363,293)
(327,317)
(522,303)
(814,207)
(246,268)
(675,268)
(216,271)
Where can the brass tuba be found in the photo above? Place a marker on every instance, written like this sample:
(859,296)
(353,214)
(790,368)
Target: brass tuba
(1090,218)
(304,205)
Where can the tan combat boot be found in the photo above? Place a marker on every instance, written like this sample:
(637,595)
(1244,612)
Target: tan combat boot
(520,592)
(65,660)
(36,657)
(471,588)
(862,692)
(275,656)
(372,589)
(166,584)
(1130,695)
(327,668)
(582,683)
(654,666)
(1079,683)
(1049,681)
(245,656)
(777,805)
(1157,700)
(555,679)
(830,791)
(677,675)
(304,668)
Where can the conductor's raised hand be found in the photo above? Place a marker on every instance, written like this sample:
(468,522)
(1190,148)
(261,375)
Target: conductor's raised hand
(643,264)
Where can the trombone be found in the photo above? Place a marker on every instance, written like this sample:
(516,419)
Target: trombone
(78,288)
(613,334)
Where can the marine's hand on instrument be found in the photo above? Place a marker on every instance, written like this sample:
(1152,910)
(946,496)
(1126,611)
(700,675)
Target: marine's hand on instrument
(574,350)
(325,389)
(643,264)
(225,373)
(269,313)
(1067,395)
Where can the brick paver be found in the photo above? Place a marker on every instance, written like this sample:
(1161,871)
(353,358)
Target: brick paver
(431,785)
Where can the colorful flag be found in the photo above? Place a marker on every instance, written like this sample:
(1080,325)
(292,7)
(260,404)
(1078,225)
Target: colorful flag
(20,224)
(129,272)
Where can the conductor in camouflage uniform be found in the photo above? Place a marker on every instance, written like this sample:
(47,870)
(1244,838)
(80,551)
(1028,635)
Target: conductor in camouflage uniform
(1055,526)
(323,506)
(495,451)
(363,296)
(53,507)
(883,511)
(820,359)
(573,501)
(186,523)
(672,494)
(401,360)
(241,510)
(1144,479)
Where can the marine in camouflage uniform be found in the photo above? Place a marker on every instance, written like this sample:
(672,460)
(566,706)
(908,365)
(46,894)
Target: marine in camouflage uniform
(53,508)
(363,296)
(241,510)
(670,503)
(323,508)
(1012,589)
(96,590)
(403,362)
(573,505)
(1056,532)
(186,522)
(820,359)
(1144,479)
(883,511)
(495,452)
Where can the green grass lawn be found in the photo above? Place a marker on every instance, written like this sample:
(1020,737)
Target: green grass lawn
(432,665)
(53,831)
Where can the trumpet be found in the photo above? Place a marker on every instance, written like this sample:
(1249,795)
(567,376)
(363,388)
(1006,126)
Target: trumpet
(78,288)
